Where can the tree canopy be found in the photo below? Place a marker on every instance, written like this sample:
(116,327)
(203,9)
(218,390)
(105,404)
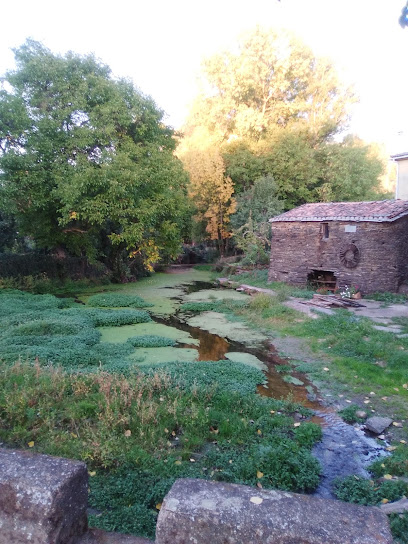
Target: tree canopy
(275,110)
(271,80)
(87,164)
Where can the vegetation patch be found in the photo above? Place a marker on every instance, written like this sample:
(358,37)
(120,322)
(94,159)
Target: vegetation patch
(360,490)
(349,414)
(138,433)
(117,300)
(150,341)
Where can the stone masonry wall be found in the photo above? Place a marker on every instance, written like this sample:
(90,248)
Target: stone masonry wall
(298,248)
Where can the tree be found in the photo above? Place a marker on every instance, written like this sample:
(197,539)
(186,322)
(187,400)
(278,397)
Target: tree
(273,80)
(251,228)
(86,163)
(209,189)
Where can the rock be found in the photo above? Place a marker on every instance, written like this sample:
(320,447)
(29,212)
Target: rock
(43,499)
(397,507)
(361,414)
(96,536)
(219,513)
(377,424)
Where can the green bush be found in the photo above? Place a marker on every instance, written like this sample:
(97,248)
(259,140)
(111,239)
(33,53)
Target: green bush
(396,464)
(150,341)
(359,490)
(349,415)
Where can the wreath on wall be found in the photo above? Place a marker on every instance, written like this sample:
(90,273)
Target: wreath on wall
(350,256)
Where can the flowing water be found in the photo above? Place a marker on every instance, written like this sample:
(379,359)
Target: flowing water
(344,449)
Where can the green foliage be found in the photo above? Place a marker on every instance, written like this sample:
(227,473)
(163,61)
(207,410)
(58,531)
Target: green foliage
(396,464)
(150,341)
(399,527)
(87,163)
(359,490)
(146,428)
(255,206)
(55,330)
(349,415)
(111,318)
(224,306)
(117,300)
(391,298)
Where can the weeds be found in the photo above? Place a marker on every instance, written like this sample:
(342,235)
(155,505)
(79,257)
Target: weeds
(142,431)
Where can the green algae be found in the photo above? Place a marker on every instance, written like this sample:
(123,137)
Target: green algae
(150,356)
(247,359)
(217,323)
(207,295)
(122,334)
(161,289)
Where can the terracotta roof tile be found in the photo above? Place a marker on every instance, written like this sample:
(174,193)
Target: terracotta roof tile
(378,211)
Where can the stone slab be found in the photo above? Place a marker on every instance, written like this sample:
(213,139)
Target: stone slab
(203,512)
(43,499)
(96,536)
(378,424)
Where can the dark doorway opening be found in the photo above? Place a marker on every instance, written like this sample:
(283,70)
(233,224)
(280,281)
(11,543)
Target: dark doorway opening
(322,279)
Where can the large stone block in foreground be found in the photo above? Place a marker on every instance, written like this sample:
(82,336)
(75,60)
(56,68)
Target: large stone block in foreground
(43,499)
(201,512)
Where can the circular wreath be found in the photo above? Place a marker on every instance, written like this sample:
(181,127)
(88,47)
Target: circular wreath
(350,256)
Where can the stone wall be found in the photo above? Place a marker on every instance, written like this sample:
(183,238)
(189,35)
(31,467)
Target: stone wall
(298,248)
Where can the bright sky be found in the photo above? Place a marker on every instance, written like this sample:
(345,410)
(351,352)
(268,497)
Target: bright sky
(160,44)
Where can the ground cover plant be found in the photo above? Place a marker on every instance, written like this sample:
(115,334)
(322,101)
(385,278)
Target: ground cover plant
(140,432)
(367,492)
(117,300)
(58,331)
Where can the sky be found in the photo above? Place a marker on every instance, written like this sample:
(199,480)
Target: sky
(160,46)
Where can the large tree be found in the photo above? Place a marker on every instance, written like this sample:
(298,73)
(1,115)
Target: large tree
(87,164)
(271,80)
(275,110)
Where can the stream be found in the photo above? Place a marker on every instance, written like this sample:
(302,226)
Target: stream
(343,450)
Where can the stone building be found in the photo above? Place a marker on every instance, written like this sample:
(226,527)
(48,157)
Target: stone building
(401,189)
(342,243)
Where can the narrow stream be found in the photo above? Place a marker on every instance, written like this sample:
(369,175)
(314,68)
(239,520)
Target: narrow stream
(344,449)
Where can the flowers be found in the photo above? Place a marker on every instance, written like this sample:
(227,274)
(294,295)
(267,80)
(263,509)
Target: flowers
(348,291)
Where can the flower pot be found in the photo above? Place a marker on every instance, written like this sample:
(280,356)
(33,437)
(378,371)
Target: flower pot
(356,295)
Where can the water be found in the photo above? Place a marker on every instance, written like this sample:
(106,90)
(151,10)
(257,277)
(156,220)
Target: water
(343,450)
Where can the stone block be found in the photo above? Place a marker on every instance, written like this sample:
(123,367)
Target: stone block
(43,499)
(204,512)
(378,424)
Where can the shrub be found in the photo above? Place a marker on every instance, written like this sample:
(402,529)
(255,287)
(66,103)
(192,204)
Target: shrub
(150,341)
(349,414)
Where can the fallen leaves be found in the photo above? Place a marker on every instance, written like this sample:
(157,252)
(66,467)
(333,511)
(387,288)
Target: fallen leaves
(259,474)
(256,500)
(30,444)
(128,433)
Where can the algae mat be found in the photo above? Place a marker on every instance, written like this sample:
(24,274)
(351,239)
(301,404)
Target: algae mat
(208,295)
(235,331)
(121,334)
(151,356)
(246,359)
(161,289)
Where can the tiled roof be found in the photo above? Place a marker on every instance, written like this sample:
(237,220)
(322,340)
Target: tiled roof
(378,211)
(400,156)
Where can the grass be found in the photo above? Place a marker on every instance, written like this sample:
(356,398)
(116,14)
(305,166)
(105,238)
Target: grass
(366,492)
(259,278)
(139,433)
